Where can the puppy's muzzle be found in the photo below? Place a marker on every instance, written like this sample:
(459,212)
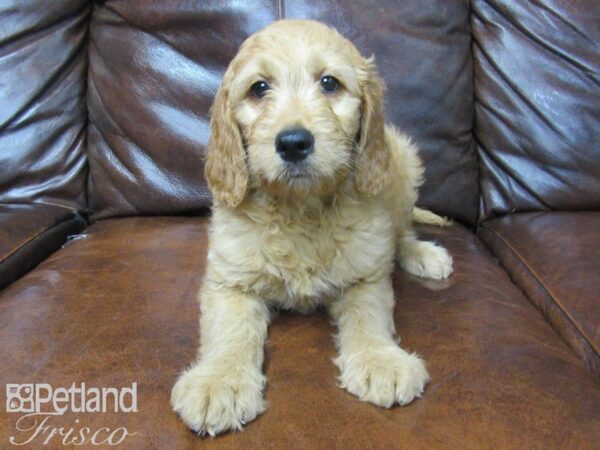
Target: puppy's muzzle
(294,144)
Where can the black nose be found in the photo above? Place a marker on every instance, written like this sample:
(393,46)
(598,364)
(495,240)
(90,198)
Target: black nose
(294,144)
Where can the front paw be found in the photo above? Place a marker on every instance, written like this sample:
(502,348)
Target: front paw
(383,377)
(428,260)
(211,398)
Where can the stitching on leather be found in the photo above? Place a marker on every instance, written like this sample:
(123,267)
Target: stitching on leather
(533,275)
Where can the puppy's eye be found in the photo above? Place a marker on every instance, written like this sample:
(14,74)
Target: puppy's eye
(259,88)
(329,84)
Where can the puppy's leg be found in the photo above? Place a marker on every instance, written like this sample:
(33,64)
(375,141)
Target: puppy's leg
(423,258)
(373,367)
(222,390)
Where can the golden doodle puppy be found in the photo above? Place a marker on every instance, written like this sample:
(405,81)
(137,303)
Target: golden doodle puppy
(313,203)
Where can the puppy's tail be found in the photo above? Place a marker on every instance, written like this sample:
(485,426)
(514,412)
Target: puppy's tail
(425,217)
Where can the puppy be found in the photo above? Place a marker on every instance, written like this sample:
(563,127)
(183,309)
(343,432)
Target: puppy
(313,202)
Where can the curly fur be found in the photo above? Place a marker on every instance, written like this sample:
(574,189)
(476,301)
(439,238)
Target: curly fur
(327,237)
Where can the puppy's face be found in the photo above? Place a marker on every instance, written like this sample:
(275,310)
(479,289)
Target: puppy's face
(295,110)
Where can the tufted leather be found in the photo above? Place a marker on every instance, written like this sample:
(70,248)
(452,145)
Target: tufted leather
(555,259)
(43,62)
(537,93)
(119,305)
(154,70)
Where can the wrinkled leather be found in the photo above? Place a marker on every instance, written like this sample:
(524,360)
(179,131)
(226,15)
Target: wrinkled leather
(154,70)
(29,233)
(119,305)
(423,51)
(555,259)
(43,62)
(537,90)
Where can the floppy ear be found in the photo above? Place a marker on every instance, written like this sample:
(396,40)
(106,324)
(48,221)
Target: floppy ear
(372,157)
(225,167)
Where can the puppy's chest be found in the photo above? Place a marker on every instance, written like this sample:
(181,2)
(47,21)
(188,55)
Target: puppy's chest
(302,264)
(300,260)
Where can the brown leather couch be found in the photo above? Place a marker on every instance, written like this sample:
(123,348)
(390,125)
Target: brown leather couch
(103,122)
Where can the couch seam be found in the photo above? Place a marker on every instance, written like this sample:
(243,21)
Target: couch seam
(35,262)
(473,143)
(543,286)
(31,239)
(88,40)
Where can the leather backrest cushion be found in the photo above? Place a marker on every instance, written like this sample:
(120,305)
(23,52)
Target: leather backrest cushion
(43,62)
(537,67)
(154,70)
(423,52)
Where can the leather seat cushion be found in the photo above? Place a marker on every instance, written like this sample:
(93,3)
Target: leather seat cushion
(120,306)
(555,258)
